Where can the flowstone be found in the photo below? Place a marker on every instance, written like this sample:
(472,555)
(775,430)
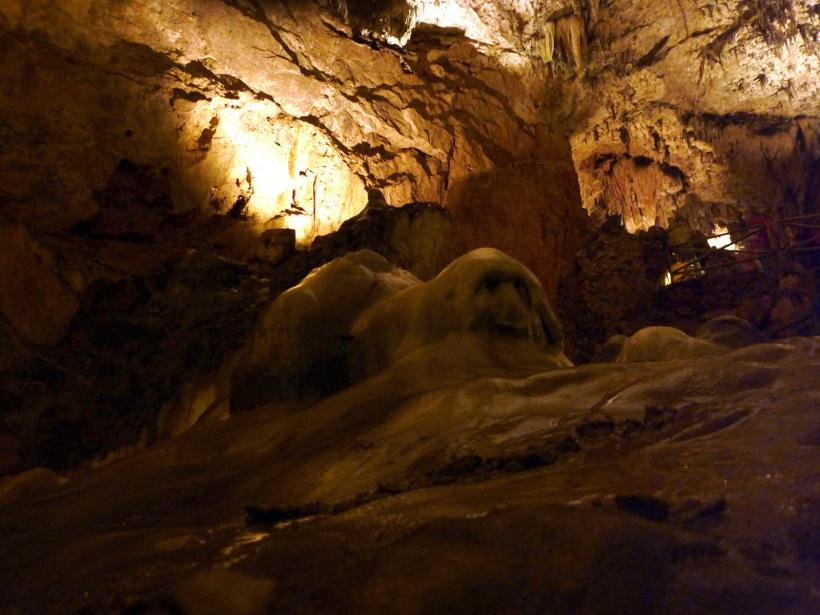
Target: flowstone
(354,317)
(483,291)
(299,347)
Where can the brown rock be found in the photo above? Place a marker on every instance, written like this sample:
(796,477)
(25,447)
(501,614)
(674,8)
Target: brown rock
(36,301)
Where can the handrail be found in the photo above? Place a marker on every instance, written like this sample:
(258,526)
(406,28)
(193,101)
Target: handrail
(695,265)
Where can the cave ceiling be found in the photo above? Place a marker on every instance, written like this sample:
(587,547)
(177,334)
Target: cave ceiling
(512,114)
(705,108)
(714,104)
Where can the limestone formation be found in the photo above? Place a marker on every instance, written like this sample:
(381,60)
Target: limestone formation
(299,349)
(665,344)
(418,237)
(354,317)
(730,331)
(275,112)
(700,112)
(484,290)
(609,350)
(457,480)
(35,300)
(276,331)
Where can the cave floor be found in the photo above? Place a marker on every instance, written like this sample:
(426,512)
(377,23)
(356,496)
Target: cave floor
(444,486)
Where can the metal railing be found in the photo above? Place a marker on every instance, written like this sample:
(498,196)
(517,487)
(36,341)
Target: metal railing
(783,237)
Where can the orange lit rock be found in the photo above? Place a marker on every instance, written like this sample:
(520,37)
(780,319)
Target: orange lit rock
(722,101)
(279,114)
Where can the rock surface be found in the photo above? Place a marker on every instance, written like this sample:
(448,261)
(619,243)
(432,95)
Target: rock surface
(35,301)
(483,291)
(472,475)
(730,331)
(276,112)
(665,344)
(161,163)
(299,349)
(356,316)
(418,237)
(143,348)
(710,111)
(119,117)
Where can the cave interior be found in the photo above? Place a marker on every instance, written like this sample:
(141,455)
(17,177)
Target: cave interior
(409,306)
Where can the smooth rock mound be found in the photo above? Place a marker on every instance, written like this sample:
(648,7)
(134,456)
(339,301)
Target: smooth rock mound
(299,347)
(483,291)
(730,331)
(665,344)
(354,317)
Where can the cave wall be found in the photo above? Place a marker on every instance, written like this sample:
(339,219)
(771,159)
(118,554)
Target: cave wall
(125,121)
(705,110)
(273,109)
(146,145)
(282,112)
(618,285)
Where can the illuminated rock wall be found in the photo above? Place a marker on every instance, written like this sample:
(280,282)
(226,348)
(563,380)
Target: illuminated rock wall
(704,110)
(273,110)
(707,110)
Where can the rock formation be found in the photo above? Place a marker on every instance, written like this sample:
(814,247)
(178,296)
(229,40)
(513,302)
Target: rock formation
(276,282)
(479,475)
(356,316)
(700,111)
(299,349)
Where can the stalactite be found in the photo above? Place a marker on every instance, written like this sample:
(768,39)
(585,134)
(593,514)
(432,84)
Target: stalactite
(566,34)
(593,11)
(572,36)
(547,45)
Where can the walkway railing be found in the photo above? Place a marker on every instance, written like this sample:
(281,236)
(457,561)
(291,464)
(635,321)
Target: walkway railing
(787,237)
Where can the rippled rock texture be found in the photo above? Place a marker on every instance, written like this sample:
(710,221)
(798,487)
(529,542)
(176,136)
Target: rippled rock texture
(470,475)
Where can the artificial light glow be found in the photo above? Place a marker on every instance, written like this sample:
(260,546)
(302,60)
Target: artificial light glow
(446,14)
(285,172)
(303,224)
(259,163)
(722,239)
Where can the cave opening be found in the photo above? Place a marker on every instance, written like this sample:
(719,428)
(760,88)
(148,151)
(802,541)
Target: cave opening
(409,305)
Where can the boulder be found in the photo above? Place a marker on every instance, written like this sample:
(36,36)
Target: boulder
(416,237)
(730,331)
(665,344)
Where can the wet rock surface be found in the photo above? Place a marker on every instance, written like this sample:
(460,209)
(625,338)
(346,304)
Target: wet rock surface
(675,485)
(151,326)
